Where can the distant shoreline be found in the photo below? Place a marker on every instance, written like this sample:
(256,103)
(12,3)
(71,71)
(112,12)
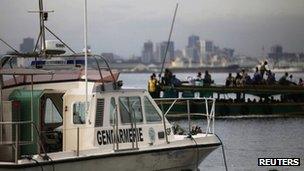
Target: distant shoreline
(212,70)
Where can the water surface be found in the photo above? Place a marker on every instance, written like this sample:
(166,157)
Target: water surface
(245,140)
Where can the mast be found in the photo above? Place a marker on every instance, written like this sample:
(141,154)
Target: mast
(168,42)
(42,17)
(86,55)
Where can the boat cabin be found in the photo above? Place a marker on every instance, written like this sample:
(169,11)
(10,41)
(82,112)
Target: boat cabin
(55,117)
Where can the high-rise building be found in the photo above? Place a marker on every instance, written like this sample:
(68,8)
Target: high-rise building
(147,53)
(277,53)
(161,50)
(194,53)
(27,45)
(193,40)
(276,49)
(179,53)
(208,46)
(193,50)
(206,50)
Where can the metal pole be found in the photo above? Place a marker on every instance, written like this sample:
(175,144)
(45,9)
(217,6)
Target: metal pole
(132,122)
(86,55)
(41,13)
(1,107)
(213,114)
(208,117)
(169,39)
(77,151)
(189,119)
(165,128)
(135,130)
(116,130)
(16,143)
(32,106)
(113,124)
(9,46)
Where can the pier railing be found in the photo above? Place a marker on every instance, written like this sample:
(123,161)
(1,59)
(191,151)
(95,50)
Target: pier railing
(209,114)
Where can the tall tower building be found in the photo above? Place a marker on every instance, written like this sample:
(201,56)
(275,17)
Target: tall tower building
(193,40)
(276,52)
(206,49)
(208,45)
(27,45)
(276,49)
(161,50)
(193,50)
(147,53)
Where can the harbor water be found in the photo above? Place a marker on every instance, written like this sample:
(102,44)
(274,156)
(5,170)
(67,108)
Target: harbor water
(245,140)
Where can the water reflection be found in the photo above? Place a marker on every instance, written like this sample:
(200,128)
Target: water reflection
(246,140)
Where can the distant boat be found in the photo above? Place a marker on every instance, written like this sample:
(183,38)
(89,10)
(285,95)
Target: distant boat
(288,69)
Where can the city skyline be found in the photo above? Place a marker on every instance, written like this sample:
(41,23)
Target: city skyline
(122,27)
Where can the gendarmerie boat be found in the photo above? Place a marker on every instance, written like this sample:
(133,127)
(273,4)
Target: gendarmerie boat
(57,114)
(46,126)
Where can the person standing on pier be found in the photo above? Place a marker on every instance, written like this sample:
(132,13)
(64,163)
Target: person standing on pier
(166,80)
(264,68)
(230,81)
(283,80)
(207,79)
(257,77)
(270,78)
(301,82)
(152,86)
(199,76)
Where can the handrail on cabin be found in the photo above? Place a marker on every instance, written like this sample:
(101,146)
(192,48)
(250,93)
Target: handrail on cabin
(8,58)
(133,128)
(209,114)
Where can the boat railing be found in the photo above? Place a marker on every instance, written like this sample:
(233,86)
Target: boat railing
(133,124)
(97,62)
(208,103)
(11,136)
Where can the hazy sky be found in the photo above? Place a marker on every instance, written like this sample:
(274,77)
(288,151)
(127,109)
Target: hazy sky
(121,26)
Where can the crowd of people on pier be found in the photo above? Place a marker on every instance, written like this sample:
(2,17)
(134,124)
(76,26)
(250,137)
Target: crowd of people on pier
(261,76)
(167,80)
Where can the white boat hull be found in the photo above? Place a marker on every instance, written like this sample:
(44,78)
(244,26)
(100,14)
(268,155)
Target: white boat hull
(158,159)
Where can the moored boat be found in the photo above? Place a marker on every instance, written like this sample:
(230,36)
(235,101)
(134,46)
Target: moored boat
(64,117)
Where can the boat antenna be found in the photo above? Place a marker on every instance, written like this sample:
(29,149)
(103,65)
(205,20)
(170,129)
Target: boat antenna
(43,16)
(42,31)
(8,45)
(86,55)
(168,42)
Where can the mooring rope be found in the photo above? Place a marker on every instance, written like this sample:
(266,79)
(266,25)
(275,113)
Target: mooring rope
(223,152)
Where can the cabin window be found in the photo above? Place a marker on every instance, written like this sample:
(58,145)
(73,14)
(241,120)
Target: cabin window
(112,110)
(99,113)
(79,113)
(51,113)
(152,114)
(130,107)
